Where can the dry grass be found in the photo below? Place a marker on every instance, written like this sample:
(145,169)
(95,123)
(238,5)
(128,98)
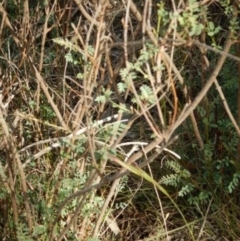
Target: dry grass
(90,102)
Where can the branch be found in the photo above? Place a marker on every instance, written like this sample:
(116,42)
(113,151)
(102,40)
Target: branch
(207,86)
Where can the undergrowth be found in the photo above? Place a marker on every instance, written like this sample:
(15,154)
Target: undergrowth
(118,120)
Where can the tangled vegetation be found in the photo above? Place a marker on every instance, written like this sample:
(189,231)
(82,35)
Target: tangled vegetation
(119,120)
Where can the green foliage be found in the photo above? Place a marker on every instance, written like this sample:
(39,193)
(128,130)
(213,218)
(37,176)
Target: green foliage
(202,198)
(39,230)
(234,183)
(177,178)
(163,17)
(70,58)
(229,84)
(234,25)
(92,207)
(105,97)
(76,59)
(136,71)
(121,87)
(23,233)
(67,44)
(13,8)
(146,95)
(189,19)
(212,30)
(218,170)
(121,206)
(93,239)
(172,180)
(185,190)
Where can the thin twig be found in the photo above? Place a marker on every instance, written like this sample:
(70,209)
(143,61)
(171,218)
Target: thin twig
(224,101)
